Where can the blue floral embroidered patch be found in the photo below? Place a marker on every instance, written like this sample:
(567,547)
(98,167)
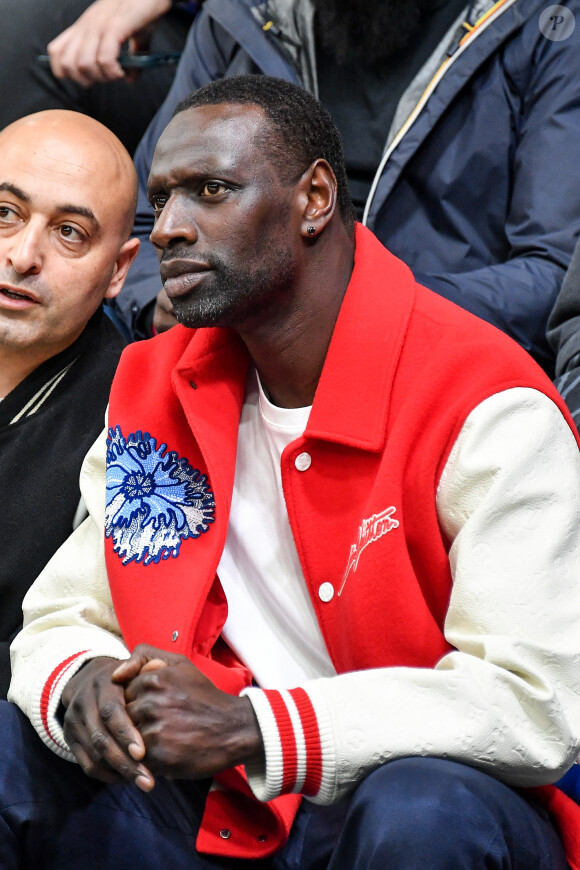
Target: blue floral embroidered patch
(155,500)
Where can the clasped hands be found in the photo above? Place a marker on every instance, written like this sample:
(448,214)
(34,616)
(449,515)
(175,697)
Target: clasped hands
(155,714)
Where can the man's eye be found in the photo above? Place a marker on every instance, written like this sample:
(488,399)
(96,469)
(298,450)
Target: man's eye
(213,188)
(71,234)
(7,214)
(158,202)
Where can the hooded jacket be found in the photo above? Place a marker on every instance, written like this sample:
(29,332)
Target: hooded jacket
(478,189)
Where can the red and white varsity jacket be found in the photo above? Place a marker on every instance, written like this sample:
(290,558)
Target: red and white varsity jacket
(404,371)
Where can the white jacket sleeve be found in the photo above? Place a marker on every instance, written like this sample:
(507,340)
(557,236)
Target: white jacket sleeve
(68,614)
(507,698)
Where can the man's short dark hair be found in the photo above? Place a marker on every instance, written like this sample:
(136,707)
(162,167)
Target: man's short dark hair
(302,129)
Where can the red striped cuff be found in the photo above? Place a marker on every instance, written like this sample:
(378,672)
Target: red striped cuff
(49,689)
(300,740)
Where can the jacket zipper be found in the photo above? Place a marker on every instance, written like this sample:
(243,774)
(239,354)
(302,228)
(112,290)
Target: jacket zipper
(464,36)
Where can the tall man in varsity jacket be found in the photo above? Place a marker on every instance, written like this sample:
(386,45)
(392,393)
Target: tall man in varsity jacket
(324,611)
(64,246)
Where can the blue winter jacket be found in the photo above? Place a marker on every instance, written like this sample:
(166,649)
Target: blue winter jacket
(479,187)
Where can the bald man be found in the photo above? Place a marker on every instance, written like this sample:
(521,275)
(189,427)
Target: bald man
(67,200)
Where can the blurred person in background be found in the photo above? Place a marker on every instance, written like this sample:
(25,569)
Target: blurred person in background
(84,40)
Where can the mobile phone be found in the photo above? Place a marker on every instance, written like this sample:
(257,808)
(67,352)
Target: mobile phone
(138,60)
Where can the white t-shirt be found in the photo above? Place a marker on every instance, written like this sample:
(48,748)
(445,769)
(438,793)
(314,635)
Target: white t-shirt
(271,624)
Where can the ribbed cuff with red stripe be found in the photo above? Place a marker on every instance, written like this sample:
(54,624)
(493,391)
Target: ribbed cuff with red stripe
(299,754)
(50,728)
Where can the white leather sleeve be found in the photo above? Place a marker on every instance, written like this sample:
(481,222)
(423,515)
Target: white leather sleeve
(68,614)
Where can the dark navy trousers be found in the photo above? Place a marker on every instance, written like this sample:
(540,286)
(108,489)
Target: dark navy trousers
(410,814)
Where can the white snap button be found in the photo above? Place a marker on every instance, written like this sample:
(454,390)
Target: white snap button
(326,592)
(174,636)
(303,461)
(225,834)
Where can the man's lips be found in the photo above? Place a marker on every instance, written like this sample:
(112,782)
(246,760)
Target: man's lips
(12,296)
(180,277)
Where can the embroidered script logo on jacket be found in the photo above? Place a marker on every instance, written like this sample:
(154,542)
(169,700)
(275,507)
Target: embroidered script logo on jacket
(369,531)
(155,499)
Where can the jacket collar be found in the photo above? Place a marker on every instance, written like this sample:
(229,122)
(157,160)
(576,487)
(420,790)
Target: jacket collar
(29,394)
(352,399)
(292,24)
(243,20)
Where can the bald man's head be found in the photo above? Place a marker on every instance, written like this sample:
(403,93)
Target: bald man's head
(68,191)
(89,148)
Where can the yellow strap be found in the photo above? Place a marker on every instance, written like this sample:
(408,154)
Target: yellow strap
(481,20)
(471,28)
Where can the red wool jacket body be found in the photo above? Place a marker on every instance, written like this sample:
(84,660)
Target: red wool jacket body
(404,370)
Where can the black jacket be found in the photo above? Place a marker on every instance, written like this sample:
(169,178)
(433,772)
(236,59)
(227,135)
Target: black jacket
(47,424)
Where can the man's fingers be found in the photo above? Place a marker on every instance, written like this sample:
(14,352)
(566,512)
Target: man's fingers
(72,58)
(115,767)
(129,669)
(106,58)
(153,665)
(140,683)
(98,728)
(135,751)
(118,724)
(142,657)
(87,51)
(101,772)
(55,50)
(112,757)
(145,782)
(92,59)
(80,64)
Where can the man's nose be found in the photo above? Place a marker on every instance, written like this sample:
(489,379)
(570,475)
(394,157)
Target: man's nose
(175,224)
(25,254)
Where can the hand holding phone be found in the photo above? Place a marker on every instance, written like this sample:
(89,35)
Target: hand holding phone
(88,51)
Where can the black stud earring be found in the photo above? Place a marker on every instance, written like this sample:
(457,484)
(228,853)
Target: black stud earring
(311,231)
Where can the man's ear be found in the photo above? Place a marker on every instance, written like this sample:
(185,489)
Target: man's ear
(126,255)
(319,196)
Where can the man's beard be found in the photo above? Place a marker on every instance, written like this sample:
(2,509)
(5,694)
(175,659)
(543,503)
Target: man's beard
(368,31)
(236,297)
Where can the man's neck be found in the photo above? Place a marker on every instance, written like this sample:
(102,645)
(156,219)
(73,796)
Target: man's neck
(16,364)
(14,369)
(289,353)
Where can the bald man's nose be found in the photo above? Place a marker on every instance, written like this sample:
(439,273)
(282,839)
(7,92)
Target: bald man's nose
(174,224)
(25,254)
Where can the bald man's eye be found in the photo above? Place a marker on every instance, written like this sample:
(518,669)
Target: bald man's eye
(8,215)
(213,188)
(71,234)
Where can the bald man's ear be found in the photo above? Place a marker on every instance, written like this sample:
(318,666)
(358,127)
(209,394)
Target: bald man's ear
(319,195)
(125,257)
